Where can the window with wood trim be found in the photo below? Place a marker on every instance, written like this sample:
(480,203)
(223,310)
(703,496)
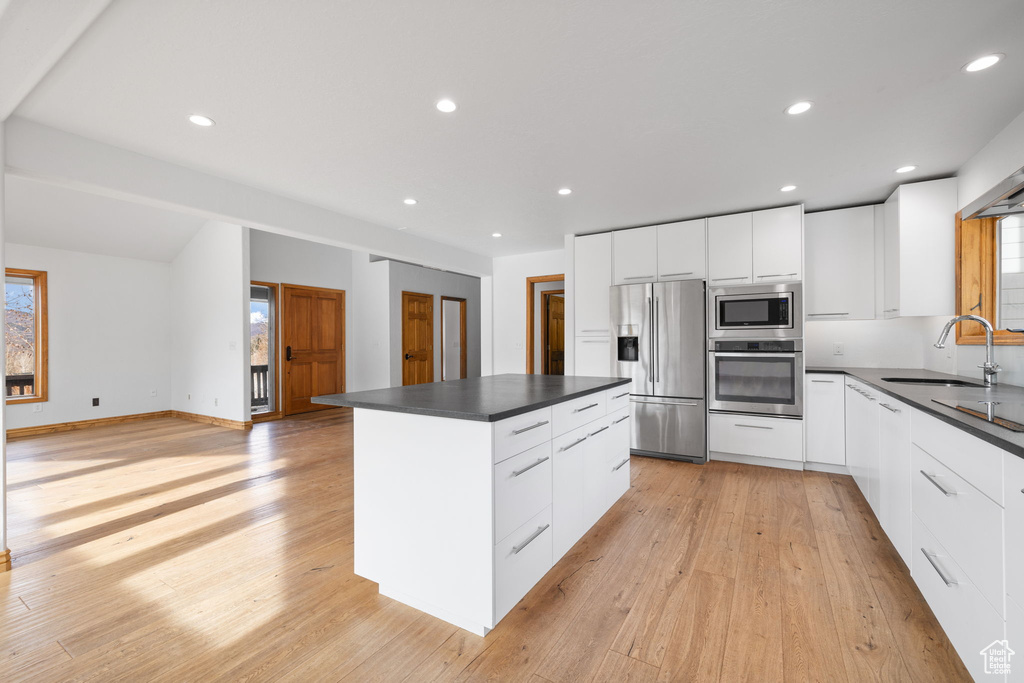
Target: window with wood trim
(25,335)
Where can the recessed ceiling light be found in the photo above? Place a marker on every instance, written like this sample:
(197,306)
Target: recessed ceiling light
(799,107)
(906,169)
(787,188)
(447,106)
(410,201)
(495,234)
(564,191)
(200,120)
(982,63)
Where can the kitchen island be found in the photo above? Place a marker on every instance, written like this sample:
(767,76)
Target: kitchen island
(467,492)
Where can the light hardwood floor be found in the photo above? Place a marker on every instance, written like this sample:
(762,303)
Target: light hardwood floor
(173,551)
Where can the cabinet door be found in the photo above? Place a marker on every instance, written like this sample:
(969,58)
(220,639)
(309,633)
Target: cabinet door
(840,264)
(593,277)
(927,278)
(682,251)
(567,491)
(635,255)
(862,440)
(594,357)
(596,470)
(1014,498)
(618,451)
(730,241)
(825,414)
(778,244)
(894,481)
(892,256)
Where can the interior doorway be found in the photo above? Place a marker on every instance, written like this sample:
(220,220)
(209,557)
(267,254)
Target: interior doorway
(552,334)
(537,337)
(263,364)
(314,346)
(417,338)
(453,338)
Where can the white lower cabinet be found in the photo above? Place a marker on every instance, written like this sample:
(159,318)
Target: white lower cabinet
(1014,497)
(862,439)
(825,417)
(1015,635)
(894,475)
(522,488)
(756,436)
(521,559)
(567,493)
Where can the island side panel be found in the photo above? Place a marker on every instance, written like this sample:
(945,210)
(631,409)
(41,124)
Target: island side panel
(423,512)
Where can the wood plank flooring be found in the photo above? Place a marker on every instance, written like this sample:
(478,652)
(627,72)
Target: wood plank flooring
(168,550)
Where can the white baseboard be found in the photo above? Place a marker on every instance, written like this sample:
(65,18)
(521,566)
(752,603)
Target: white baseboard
(826,467)
(756,460)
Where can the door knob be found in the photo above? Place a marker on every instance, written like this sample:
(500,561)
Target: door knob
(288,353)
(408,356)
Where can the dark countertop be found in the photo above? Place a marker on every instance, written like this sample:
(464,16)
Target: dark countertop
(483,399)
(920,397)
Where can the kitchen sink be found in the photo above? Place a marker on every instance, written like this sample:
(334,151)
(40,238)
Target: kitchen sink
(932,382)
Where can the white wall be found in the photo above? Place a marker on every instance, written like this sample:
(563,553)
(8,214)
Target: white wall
(210,328)
(369,338)
(109,336)
(894,343)
(509,302)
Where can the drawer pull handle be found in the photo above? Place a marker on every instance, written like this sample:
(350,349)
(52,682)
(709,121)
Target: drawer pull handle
(604,331)
(676,274)
(934,480)
(824,381)
(933,561)
(754,426)
(639,277)
(815,315)
(728,279)
(777,275)
(517,432)
(530,467)
(621,395)
(531,539)
(572,445)
(623,419)
(599,430)
(580,410)
(619,466)
(890,408)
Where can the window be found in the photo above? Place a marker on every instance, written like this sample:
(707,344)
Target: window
(25,334)
(263,348)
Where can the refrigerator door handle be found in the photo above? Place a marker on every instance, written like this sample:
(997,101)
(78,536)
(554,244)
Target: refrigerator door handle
(657,342)
(650,327)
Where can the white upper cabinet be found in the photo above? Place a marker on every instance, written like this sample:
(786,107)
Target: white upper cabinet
(593,277)
(730,246)
(840,264)
(778,244)
(635,255)
(919,249)
(681,250)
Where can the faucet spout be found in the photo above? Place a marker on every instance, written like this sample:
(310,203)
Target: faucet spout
(990,367)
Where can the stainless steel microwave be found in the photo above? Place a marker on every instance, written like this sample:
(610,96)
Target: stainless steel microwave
(756,312)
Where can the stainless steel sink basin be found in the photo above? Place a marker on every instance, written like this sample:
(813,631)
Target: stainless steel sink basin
(932,382)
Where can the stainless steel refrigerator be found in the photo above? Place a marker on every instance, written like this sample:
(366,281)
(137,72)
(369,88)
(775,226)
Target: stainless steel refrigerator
(660,341)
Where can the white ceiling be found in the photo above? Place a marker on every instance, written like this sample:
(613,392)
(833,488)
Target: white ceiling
(650,111)
(46,215)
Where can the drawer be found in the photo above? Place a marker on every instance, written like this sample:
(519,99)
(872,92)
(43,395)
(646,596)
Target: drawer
(522,488)
(618,398)
(766,437)
(977,461)
(577,412)
(520,561)
(1015,531)
(618,478)
(967,524)
(966,616)
(520,433)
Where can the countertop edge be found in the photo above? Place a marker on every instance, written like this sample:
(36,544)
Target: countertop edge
(340,400)
(929,407)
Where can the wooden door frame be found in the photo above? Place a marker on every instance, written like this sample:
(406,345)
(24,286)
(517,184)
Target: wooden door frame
(530,282)
(344,343)
(401,350)
(278,411)
(462,335)
(545,353)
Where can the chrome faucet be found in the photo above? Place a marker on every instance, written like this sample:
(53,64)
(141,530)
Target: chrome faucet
(990,367)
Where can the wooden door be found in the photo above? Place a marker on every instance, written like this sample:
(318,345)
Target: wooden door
(314,346)
(417,338)
(553,334)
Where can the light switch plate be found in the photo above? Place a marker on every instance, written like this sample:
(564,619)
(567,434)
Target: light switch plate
(837,348)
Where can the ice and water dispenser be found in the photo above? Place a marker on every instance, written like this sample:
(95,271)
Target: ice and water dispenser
(628,343)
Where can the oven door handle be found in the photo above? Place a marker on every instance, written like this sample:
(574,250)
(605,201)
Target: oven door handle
(755,354)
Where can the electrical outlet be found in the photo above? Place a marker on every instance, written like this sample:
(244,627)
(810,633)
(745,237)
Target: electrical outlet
(153,393)
(37,407)
(216,401)
(837,348)
(231,346)
(95,402)
(188,397)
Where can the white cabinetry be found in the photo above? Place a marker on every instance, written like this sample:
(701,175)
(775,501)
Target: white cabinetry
(778,244)
(593,277)
(593,357)
(919,249)
(755,436)
(862,439)
(730,245)
(635,255)
(682,252)
(825,416)
(894,511)
(840,281)
(1014,497)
